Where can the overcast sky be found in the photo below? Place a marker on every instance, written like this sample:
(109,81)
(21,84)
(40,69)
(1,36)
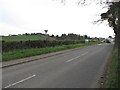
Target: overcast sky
(35,16)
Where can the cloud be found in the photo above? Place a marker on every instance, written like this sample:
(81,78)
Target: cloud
(27,16)
(7,29)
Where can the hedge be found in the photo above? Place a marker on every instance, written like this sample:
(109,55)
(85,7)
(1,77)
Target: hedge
(8,46)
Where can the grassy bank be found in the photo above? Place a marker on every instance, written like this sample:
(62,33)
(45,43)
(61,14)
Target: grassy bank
(16,54)
(23,38)
(112,71)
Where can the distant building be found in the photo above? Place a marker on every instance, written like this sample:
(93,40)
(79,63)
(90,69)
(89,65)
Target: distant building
(86,40)
(110,40)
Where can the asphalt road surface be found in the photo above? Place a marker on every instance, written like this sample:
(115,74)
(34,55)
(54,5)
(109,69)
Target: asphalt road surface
(80,68)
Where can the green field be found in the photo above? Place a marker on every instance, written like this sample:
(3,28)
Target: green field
(25,38)
(16,54)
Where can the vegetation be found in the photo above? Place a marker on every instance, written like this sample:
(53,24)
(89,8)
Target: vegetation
(40,36)
(15,54)
(113,18)
(26,45)
(18,38)
(39,40)
(112,71)
(8,46)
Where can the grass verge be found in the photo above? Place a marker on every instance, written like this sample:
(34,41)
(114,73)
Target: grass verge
(16,54)
(112,71)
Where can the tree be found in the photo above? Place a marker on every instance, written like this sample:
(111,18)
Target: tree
(52,35)
(63,36)
(113,17)
(57,37)
(110,37)
(73,36)
(85,36)
(86,2)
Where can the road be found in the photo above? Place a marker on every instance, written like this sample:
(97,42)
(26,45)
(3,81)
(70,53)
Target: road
(80,68)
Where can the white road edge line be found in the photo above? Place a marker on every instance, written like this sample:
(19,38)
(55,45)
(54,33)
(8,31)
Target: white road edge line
(20,81)
(76,57)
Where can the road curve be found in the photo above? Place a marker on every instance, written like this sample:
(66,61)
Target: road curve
(80,68)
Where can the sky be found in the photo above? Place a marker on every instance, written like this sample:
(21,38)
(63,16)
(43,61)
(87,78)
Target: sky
(35,16)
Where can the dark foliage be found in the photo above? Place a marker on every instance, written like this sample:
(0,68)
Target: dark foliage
(8,46)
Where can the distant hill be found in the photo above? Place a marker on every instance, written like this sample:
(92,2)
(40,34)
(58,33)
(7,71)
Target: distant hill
(26,38)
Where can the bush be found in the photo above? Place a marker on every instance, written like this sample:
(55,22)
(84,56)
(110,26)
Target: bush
(8,46)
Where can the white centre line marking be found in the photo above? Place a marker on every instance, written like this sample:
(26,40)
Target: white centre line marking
(20,81)
(76,57)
